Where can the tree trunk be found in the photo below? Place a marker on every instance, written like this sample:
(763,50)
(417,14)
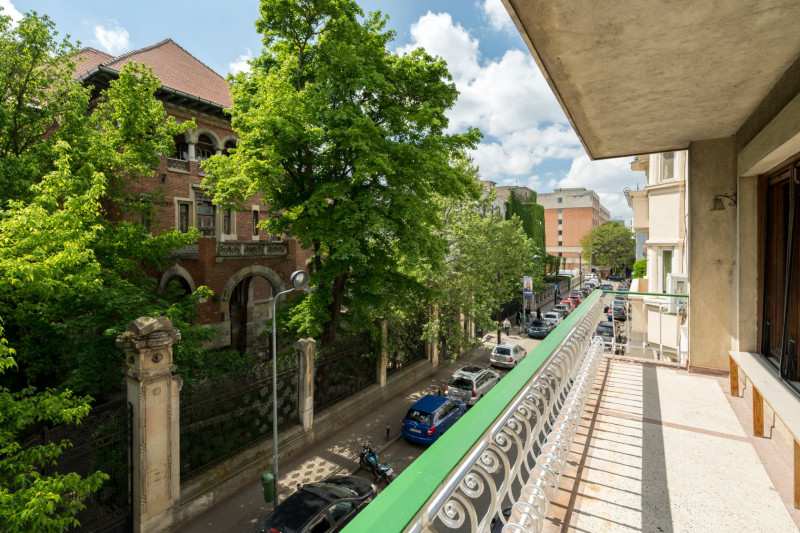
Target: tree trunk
(329,333)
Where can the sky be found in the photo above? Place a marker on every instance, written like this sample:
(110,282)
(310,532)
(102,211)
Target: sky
(527,138)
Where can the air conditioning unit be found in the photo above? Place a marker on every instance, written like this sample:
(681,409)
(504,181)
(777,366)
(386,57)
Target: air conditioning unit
(677,284)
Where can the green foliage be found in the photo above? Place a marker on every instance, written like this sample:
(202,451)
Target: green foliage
(611,244)
(640,268)
(488,258)
(347,142)
(30,501)
(531,215)
(69,278)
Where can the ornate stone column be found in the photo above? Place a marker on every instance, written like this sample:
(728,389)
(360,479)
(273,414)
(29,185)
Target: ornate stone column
(154,394)
(305,354)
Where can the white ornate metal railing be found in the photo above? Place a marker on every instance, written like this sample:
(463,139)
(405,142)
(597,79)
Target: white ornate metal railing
(504,457)
(530,511)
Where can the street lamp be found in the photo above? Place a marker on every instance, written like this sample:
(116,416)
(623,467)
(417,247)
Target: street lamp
(580,269)
(299,279)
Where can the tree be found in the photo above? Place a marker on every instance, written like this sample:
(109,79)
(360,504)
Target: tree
(347,143)
(70,279)
(30,501)
(488,258)
(530,214)
(640,268)
(611,244)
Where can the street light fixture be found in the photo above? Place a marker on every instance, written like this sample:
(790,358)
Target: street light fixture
(580,269)
(299,279)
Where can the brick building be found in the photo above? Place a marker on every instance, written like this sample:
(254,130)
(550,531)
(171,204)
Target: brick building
(242,265)
(570,214)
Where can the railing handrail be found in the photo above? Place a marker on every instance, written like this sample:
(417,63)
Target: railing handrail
(666,295)
(411,491)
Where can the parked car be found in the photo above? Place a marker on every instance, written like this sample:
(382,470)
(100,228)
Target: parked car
(324,506)
(563,309)
(539,329)
(605,330)
(576,295)
(507,355)
(554,317)
(620,311)
(615,277)
(574,302)
(607,287)
(586,290)
(430,417)
(594,282)
(470,383)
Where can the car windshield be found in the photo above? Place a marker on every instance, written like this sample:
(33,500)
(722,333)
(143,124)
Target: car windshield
(502,351)
(551,315)
(460,383)
(419,417)
(539,323)
(605,330)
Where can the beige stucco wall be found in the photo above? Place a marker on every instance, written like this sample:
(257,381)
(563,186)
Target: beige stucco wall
(666,215)
(712,168)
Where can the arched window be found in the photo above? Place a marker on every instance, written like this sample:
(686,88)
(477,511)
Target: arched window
(204,148)
(228,146)
(181,148)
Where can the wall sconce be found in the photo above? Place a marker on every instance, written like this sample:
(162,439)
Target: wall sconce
(719,205)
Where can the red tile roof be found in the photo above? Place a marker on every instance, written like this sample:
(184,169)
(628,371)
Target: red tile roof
(175,67)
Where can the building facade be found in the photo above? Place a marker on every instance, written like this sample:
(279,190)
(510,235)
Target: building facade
(569,215)
(242,264)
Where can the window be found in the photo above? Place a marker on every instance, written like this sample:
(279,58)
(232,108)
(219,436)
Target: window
(255,222)
(183,217)
(206,215)
(228,146)
(780,285)
(560,210)
(559,253)
(341,510)
(227,224)
(560,243)
(561,201)
(667,166)
(559,233)
(181,148)
(666,267)
(204,148)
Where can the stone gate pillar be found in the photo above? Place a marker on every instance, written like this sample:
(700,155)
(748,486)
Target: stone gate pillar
(384,353)
(305,354)
(153,392)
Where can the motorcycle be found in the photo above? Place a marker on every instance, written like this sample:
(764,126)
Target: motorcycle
(368,460)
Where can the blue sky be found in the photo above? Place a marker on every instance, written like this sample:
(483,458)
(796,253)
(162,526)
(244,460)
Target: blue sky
(528,140)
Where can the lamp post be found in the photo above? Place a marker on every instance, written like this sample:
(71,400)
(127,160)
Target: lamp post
(580,269)
(299,279)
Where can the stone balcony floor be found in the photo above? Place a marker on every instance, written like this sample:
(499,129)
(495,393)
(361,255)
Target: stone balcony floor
(664,450)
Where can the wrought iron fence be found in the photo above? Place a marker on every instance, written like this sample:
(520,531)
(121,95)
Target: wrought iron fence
(343,372)
(101,442)
(406,345)
(221,417)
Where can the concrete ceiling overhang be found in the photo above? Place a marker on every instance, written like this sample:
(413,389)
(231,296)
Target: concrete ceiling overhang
(645,76)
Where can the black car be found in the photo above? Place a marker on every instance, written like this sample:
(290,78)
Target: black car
(620,313)
(320,507)
(615,278)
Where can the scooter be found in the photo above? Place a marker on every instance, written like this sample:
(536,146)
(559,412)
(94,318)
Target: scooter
(368,460)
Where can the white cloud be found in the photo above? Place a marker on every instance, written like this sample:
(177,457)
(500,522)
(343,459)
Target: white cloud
(607,177)
(241,64)
(114,39)
(511,102)
(10,11)
(495,13)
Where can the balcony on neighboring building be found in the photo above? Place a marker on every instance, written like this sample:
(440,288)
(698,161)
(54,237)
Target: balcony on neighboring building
(252,249)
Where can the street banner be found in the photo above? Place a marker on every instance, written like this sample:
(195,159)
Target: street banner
(527,286)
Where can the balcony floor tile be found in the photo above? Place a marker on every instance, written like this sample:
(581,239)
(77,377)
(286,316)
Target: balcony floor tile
(662,450)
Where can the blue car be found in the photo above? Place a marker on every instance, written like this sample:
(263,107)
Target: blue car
(431,416)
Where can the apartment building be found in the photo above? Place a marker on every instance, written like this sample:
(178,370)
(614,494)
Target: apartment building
(569,215)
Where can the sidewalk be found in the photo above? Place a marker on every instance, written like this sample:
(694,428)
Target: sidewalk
(337,454)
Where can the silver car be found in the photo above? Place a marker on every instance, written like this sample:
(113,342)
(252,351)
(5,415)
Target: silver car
(470,384)
(507,355)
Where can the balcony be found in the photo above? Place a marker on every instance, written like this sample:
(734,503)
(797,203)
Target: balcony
(179,165)
(252,249)
(580,440)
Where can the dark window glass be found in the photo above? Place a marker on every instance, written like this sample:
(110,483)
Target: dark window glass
(226,222)
(183,217)
(255,222)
